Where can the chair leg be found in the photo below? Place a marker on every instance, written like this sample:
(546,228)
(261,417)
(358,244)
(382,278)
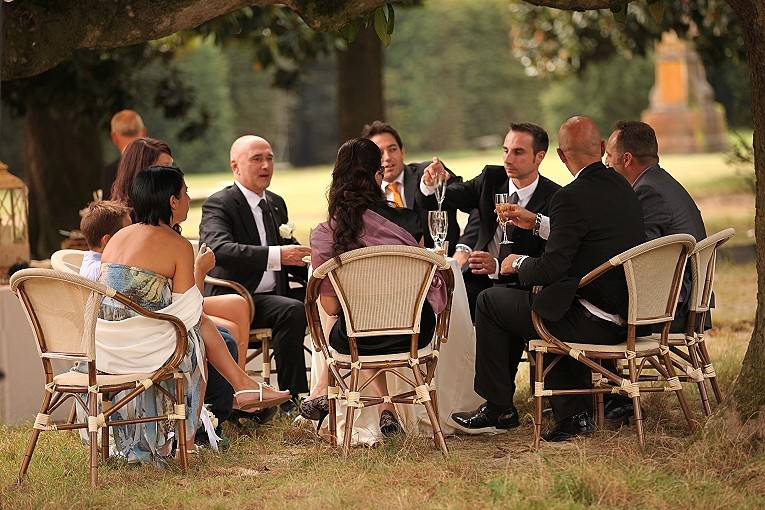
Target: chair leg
(332,412)
(693,353)
(105,430)
(93,412)
(705,359)
(538,378)
(33,440)
(350,413)
(636,403)
(680,394)
(438,434)
(266,346)
(180,425)
(599,405)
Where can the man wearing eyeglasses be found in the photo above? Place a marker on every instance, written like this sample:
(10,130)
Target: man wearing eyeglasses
(400,180)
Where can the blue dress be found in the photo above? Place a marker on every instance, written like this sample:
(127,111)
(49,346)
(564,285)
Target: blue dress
(150,442)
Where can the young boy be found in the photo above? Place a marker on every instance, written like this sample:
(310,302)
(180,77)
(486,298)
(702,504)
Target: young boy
(102,219)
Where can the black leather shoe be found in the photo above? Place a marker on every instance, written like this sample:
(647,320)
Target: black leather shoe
(259,417)
(619,410)
(578,425)
(289,408)
(486,420)
(389,425)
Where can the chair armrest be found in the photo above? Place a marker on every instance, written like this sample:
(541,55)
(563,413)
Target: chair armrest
(181,334)
(595,273)
(236,287)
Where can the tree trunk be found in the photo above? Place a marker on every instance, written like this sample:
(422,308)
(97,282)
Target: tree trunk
(64,161)
(749,388)
(359,85)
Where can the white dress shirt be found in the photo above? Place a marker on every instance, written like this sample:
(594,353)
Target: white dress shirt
(91,265)
(274,263)
(389,194)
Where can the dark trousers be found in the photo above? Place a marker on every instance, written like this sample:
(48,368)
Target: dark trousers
(286,317)
(220,394)
(503,328)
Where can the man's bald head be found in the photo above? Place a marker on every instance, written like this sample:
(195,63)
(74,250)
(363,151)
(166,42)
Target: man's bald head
(580,143)
(252,162)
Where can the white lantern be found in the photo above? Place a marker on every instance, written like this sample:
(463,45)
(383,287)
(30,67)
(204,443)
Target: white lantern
(14,232)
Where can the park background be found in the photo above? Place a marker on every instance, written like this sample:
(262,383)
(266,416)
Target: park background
(454,78)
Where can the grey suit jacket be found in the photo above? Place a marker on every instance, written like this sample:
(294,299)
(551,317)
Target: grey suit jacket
(669,209)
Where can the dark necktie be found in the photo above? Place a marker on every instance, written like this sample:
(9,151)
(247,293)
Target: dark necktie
(507,249)
(269,224)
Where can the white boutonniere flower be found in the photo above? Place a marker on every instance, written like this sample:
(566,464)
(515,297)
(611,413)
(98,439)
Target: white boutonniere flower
(286,230)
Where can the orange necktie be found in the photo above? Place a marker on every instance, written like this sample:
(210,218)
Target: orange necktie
(397,200)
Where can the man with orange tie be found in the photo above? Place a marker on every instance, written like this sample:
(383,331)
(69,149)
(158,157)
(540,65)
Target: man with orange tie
(400,181)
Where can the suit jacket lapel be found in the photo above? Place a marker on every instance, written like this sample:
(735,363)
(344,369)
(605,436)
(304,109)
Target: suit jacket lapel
(537,199)
(245,213)
(410,185)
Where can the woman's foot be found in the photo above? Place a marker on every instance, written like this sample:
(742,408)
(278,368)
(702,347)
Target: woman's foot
(389,425)
(259,398)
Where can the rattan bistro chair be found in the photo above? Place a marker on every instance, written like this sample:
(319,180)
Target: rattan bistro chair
(62,309)
(68,261)
(374,306)
(654,273)
(689,351)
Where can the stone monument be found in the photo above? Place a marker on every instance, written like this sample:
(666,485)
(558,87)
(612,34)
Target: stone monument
(683,111)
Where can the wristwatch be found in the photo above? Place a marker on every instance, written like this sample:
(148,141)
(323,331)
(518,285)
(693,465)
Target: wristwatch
(462,247)
(537,224)
(517,262)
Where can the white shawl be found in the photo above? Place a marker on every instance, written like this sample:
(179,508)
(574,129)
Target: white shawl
(142,345)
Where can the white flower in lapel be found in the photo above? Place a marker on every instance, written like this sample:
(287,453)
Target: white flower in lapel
(286,230)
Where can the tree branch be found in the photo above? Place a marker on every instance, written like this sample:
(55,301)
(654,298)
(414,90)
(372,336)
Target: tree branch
(576,5)
(38,34)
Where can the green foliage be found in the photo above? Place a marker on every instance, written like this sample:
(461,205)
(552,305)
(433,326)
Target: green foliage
(617,88)
(202,144)
(448,81)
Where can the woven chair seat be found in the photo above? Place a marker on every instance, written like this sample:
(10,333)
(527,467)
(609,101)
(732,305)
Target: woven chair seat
(404,356)
(80,379)
(643,344)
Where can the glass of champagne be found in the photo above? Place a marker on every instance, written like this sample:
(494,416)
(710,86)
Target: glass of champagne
(440,190)
(499,200)
(438,224)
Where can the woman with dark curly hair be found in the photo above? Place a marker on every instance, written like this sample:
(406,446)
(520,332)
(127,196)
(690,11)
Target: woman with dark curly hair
(359,216)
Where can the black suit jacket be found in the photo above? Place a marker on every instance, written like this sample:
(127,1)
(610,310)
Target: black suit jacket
(669,209)
(593,218)
(413,198)
(478,193)
(228,228)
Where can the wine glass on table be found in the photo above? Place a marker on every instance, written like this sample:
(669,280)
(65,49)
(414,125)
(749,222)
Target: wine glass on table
(438,223)
(501,201)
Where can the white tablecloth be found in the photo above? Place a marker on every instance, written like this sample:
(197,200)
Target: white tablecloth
(454,378)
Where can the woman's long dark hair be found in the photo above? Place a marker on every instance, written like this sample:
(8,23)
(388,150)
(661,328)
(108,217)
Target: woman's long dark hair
(138,155)
(353,191)
(150,194)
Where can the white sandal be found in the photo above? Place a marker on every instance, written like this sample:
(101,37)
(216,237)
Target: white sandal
(261,403)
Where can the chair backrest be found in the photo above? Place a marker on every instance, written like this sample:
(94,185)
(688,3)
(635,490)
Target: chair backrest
(654,272)
(703,261)
(68,261)
(62,309)
(382,289)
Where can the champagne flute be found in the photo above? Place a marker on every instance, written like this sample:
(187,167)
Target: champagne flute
(499,200)
(438,223)
(440,191)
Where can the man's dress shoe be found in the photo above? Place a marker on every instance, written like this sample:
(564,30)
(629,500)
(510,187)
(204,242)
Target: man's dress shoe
(578,425)
(485,419)
(619,410)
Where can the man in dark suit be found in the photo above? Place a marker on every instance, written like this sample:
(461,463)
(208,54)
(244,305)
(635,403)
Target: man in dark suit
(246,226)
(591,219)
(127,126)
(400,180)
(479,251)
(633,151)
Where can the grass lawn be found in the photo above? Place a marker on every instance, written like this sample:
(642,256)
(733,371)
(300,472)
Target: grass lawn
(283,466)
(720,190)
